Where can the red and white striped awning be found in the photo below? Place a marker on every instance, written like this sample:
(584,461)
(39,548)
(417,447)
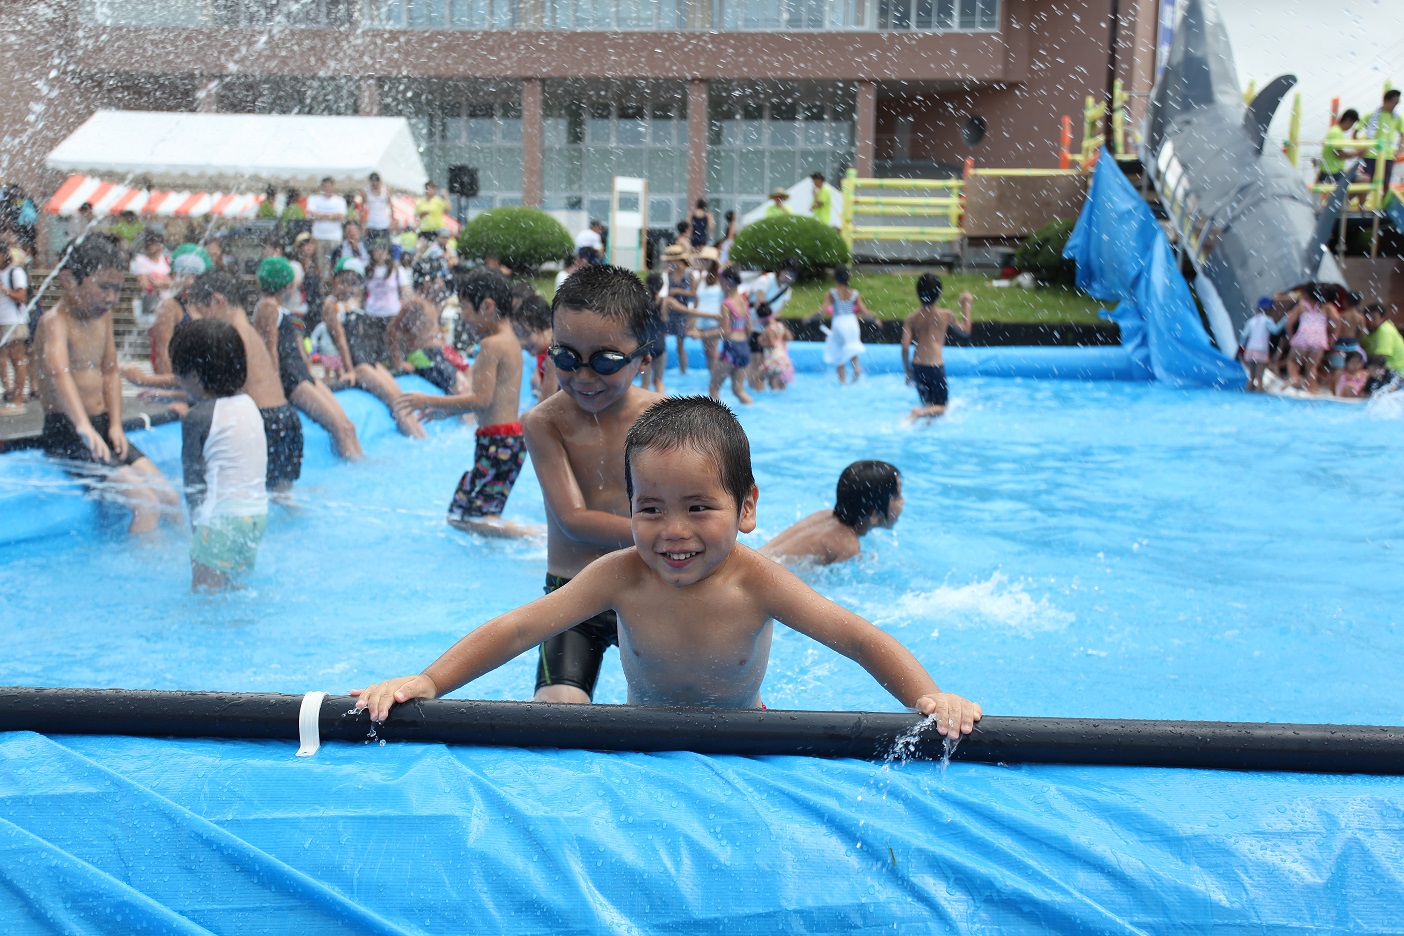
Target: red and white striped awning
(108,198)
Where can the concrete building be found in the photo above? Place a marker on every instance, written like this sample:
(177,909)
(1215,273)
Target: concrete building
(551,98)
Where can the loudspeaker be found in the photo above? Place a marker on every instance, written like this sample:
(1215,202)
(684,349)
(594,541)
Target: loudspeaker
(463,180)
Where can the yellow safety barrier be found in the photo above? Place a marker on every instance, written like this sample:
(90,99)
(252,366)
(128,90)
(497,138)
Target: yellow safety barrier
(863,213)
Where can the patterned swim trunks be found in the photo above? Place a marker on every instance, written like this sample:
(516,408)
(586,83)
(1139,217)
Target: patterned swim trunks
(483,491)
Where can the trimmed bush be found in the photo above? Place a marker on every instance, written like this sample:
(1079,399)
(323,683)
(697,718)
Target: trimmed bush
(765,243)
(1042,254)
(522,238)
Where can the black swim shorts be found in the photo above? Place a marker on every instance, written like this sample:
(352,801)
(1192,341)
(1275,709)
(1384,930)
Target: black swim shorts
(930,380)
(284,431)
(573,657)
(292,368)
(431,364)
(62,441)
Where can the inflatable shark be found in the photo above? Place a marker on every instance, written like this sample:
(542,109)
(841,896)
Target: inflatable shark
(1245,220)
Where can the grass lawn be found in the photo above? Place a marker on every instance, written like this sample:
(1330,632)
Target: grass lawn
(893,296)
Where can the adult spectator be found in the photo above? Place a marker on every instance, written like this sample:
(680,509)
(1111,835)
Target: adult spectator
(1384,127)
(443,240)
(220,261)
(268,207)
(1336,148)
(292,207)
(821,204)
(777,207)
(307,280)
(152,269)
(1382,338)
(126,227)
(568,266)
(430,210)
(20,214)
(327,210)
(700,225)
(376,200)
(592,236)
(85,219)
(351,245)
(14,334)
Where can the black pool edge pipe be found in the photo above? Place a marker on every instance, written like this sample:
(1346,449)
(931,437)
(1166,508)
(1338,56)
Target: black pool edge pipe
(1337,749)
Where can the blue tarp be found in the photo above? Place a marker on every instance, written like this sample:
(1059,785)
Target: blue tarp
(1122,255)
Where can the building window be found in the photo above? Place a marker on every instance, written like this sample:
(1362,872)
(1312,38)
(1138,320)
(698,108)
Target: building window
(760,140)
(444,14)
(599,15)
(464,124)
(624,131)
(745,15)
(938,15)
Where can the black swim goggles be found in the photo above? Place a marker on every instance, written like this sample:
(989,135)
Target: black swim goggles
(603,363)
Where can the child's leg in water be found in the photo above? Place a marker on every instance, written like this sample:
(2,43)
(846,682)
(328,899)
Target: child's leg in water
(319,403)
(377,380)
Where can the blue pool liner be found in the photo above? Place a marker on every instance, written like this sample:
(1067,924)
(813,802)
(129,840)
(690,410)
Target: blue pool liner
(137,835)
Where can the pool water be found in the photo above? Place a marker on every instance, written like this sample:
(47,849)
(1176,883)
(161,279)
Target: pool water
(1078,549)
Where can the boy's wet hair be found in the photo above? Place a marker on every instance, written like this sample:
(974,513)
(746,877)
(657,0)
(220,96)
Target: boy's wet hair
(87,255)
(609,291)
(865,488)
(841,275)
(928,289)
(212,350)
(701,424)
(228,285)
(1350,113)
(479,284)
(533,315)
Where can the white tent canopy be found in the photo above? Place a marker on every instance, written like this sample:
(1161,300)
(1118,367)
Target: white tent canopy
(234,152)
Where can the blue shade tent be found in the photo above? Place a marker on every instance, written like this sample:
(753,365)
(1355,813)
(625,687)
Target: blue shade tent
(1122,255)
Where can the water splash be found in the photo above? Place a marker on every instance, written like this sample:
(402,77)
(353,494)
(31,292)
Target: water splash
(994,602)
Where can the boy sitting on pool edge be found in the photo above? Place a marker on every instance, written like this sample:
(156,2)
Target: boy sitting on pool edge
(695,608)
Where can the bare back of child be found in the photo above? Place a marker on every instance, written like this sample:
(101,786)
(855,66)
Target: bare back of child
(600,326)
(868,497)
(414,338)
(927,328)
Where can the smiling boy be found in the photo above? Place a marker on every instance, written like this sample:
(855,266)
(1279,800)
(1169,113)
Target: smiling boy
(695,608)
(600,325)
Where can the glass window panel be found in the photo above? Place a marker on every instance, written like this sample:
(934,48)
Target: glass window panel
(504,14)
(945,14)
(456,130)
(815,159)
(925,14)
(968,14)
(481,129)
(599,130)
(599,207)
(628,162)
(513,201)
(989,14)
(782,172)
(661,211)
(751,171)
(782,133)
(721,171)
(752,132)
(509,129)
(631,131)
(661,131)
(841,133)
(663,172)
(509,168)
(599,169)
(554,131)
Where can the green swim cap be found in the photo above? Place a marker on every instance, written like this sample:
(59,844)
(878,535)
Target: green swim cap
(275,273)
(190,258)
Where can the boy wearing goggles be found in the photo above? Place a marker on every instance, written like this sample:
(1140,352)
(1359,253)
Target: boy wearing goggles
(601,317)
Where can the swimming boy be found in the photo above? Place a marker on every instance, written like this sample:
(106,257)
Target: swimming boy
(223,451)
(695,608)
(531,323)
(221,296)
(80,389)
(927,328)
(494,396)
(282,331)
(600,319)
(869,497)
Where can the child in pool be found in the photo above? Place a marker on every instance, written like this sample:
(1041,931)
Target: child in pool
(1256,341)
(652,375)
(1352,380)
(494,396)
(601,318)
(695,608)
(735,356)
(869,497)
(927,328)
(224,453)
(531,323)
(777,370)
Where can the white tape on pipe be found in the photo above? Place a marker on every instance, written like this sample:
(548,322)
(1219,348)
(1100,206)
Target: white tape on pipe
(307,731)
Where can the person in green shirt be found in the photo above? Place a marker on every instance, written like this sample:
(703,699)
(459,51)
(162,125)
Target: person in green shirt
(1382,338)
(292,207)
(268,208)
(1384,126)
(128,229)
(430,210)
(822,207)
(777,206)
(1336,148)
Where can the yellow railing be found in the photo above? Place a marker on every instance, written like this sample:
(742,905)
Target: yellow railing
(1094,115)
(943,210)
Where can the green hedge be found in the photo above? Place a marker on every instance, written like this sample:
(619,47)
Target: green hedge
(522,238)
(765,243)
(1042,254)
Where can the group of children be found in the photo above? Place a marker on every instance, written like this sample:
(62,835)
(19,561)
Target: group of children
(1318,337)
(644,496)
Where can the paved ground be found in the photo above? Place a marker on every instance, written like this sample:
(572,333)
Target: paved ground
(27,425)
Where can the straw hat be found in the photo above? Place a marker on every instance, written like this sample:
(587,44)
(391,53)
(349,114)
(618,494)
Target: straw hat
(707,253)
(675,252)
(779,193)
